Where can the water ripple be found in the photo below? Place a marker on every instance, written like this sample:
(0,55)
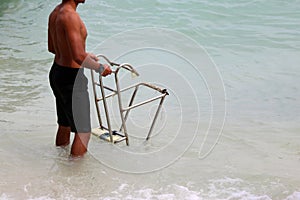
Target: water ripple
(21,83)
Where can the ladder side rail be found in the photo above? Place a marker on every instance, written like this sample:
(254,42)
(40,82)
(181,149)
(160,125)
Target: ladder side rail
(155,117)
(120,106)
(130,104)
(106,109)
(96,99)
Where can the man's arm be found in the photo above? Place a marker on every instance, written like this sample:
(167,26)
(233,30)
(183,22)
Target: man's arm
(76,42)
(50,41)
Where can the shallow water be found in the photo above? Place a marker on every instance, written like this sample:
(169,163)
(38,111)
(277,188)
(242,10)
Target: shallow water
(255,46)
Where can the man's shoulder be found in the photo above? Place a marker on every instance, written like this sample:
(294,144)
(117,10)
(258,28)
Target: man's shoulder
(56,10)
(64,16)
(66,12)
(53,15)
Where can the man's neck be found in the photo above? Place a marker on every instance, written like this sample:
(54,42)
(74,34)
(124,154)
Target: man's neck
(71,3)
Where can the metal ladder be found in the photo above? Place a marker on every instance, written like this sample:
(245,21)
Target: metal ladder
(107,133)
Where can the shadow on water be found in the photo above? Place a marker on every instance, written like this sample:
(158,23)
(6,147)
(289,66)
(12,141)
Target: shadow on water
(9,6)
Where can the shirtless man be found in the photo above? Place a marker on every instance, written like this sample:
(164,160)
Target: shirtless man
(66,40)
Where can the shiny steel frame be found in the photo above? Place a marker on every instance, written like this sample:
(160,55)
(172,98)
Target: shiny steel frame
(124,111)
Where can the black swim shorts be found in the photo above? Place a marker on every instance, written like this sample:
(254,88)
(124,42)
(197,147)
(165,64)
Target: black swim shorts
(69,86)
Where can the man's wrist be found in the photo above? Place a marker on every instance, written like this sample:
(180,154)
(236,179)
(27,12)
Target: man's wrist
(100,69)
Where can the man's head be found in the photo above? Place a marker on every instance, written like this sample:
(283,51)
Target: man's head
(75,1)
(79,1)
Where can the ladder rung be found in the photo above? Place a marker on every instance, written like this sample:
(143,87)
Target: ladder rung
(104,135)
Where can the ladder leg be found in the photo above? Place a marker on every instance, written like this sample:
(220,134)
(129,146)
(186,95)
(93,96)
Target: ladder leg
(155,117)
(95,99)
(106,109)
(121,109)
(130,104)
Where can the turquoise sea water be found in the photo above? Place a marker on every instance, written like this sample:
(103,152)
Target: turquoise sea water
(255,46)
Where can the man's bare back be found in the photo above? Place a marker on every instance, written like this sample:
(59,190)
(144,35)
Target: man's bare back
(67,33)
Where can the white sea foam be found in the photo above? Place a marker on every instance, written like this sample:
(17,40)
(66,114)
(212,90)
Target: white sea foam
(294,196)
(168,193)
(217,189)
(178,192)
(4,197)
(171,192)
(174,192)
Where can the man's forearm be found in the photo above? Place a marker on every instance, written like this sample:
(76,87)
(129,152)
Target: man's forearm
(90,63)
